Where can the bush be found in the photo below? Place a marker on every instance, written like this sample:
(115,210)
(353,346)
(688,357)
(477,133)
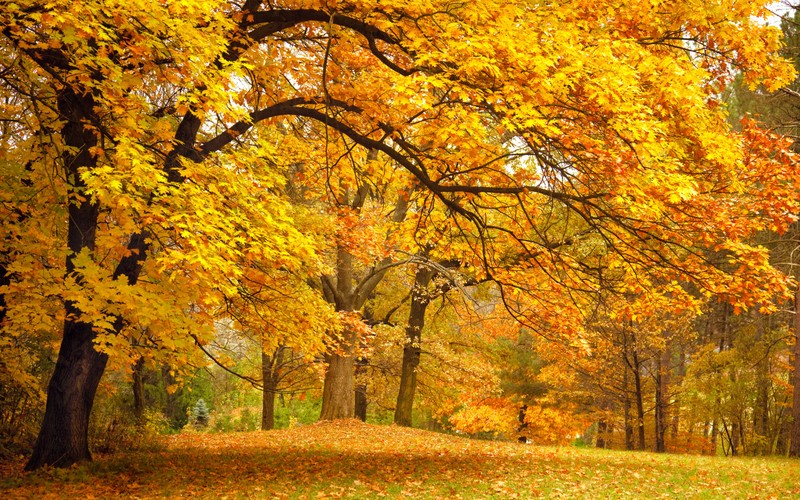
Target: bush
(297,411)
(116,430)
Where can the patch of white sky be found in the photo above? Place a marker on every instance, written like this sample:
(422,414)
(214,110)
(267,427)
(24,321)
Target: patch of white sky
(780,10)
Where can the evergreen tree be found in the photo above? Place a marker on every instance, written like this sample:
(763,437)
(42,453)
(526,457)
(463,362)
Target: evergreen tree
(200,413)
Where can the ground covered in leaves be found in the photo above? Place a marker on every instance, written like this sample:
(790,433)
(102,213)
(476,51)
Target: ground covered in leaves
(356,460)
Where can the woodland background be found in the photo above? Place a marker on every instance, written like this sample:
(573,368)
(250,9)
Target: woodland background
(226,217)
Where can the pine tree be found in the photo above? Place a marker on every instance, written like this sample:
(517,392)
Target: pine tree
(200,413)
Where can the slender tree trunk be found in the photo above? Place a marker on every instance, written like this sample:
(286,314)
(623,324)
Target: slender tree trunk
(420,298)
(602,428)
(270,379)
(676,407)
(637,382)
(714,435)
(626,408)
(361,389)
(660,406)
(138,390)
(626,400)
(360,411)
(733,438)
(5,280)
(761,409)
(522,426)
(662,383)
(794,436)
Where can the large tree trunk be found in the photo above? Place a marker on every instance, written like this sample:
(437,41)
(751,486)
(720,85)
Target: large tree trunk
(420,298)
(338,395)
(338,392)
(794,437)
(63,439)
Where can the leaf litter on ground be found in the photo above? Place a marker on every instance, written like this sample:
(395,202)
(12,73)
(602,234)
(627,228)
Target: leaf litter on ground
(350,459)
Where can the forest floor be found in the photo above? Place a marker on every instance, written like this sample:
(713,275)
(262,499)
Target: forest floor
(354,460)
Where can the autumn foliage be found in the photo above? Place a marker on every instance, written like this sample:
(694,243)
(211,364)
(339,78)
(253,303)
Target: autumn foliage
(292,170)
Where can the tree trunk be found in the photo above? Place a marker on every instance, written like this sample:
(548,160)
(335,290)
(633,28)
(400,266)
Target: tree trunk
(338,394)
(268,409)
(761,408)
(794,437)
(637,382)
(420,298)
(680,373)
(522,426)
(626,401)
(361,389)
(361,402)
(602,428)
(626,405)
(138,390)
(5,280)
(660,407)
(63,438)
(270,379)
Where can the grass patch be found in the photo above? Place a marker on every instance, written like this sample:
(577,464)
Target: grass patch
(355,460)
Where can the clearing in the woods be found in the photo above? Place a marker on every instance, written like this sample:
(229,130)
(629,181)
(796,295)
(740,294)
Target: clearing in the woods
(349,459)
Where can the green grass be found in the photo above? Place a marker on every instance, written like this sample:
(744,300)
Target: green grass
(355,460)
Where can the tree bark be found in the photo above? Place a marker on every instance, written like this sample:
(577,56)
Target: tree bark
(794,437)
(138,390)
(270,379)
(680,373)
(5,280)
(420,298)
(361,402)
(338,394)
(522,425)
(761,408)
(63,438)
(637,381)
(660,406)
(626,405)
(602,428)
